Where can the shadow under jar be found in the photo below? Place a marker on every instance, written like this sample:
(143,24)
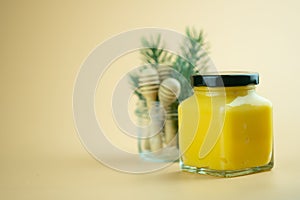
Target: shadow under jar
(225,128)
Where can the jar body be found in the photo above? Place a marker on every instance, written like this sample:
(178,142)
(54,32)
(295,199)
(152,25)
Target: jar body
(226,132)
(157,133)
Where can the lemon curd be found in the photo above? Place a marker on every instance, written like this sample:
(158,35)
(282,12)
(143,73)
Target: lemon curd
(225,128)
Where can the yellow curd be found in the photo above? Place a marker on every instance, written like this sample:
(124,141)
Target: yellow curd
(226,131)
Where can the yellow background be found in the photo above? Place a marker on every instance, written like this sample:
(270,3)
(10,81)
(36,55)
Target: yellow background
(42,46)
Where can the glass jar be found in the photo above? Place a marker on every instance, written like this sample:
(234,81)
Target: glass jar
(225,128)
(157,133)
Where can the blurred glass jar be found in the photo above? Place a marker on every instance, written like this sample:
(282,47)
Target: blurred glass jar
(157,132)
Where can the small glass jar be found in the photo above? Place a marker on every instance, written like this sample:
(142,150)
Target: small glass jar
(225,128)
(157,133)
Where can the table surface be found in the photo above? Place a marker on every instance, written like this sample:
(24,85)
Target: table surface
(77,175)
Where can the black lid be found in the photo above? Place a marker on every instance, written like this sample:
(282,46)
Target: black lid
(225,79)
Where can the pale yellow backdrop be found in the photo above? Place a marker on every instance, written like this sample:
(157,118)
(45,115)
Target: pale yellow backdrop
(42,46)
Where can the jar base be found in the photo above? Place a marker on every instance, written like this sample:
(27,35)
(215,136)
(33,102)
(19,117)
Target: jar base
(226,173)
(168,154)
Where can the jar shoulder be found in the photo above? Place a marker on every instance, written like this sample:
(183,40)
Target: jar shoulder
(253,99)
(250,99)
(188,102)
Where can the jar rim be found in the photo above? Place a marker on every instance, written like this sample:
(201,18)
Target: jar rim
(225,79)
